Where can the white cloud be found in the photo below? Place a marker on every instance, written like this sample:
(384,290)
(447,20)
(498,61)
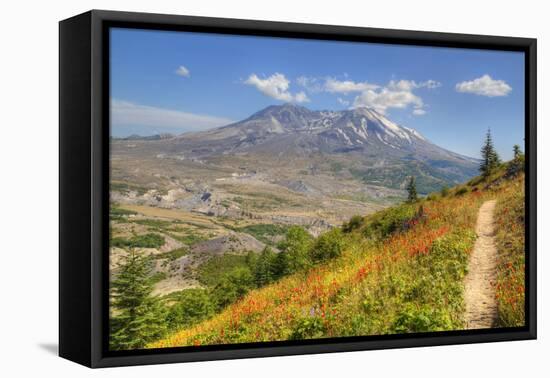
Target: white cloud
(126,114)
(431,84)
(311,84)
(386,98)
(419,112)
(395,94)
(183,71)
(485,86)
(332,85)
(301,97)
(347,86)
(276,86)
(398,94)
(409,85)
(342,101)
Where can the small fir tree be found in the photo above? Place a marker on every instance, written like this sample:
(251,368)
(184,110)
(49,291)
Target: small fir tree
(517,152)
(489,157)
(517,164)
(412,194)
(264,272)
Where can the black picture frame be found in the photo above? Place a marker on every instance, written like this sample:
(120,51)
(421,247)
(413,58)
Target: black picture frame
(84,187)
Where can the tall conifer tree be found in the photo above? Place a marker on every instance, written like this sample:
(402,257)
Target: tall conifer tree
(489,157)
(137,317)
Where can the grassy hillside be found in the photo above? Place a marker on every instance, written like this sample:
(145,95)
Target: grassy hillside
(401,270)
(510,235)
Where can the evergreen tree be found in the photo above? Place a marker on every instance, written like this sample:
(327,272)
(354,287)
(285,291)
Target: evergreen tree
(264,272)
(295,251)
(328,245)
(517,152)
(281,265)
(233,286)
(138,318)
(251,260)
(517,164)
(191,307)
(489,157)
(412,195)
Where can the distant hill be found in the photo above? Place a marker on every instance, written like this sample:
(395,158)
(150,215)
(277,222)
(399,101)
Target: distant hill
(147,137)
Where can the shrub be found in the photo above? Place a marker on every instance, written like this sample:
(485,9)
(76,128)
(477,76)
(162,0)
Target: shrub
(139,241)
(157,277)
(354,223)
(213,272)
(294,250)
(172,255)
(233,286)
(388,221)
(155,223)
(461,191)
(265,232)
(191,307)
(431,197)
(188,239)
(421,319)
(328,245)
(307,328)
(116,213)
(475,181)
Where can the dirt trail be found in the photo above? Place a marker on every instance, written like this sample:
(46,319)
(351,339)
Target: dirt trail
(481,304)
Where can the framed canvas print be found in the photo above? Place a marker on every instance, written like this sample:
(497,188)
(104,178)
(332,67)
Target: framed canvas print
(233,188)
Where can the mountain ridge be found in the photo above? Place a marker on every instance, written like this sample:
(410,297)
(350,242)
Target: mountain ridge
(365,143)
(350,127)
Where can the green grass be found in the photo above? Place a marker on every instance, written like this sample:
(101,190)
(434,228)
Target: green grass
(510,237)
(213,271)
(427,179)
(264,232)
(386,222)
(156,223)
(188,239)
(359,197)
(125,187)
(265,201)
(172,255)
(157,277)
(150,240)
(118,214)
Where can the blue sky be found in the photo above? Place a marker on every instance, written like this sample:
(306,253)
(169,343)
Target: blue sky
(178,81)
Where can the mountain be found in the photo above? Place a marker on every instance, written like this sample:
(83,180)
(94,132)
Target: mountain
(148,137)
(359,142)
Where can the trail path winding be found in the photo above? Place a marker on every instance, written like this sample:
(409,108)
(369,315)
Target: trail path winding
(481,304)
